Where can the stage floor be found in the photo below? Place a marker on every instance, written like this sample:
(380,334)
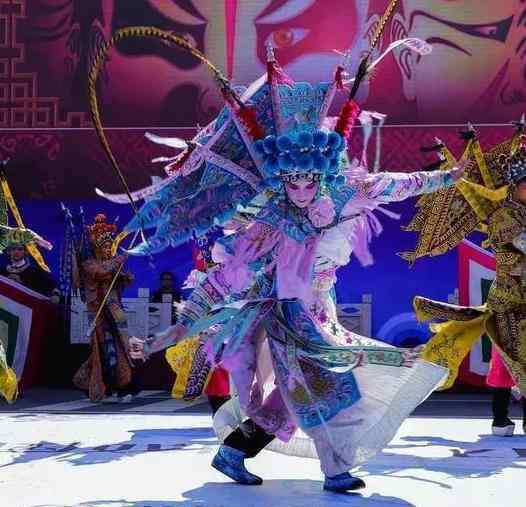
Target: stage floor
(157,454)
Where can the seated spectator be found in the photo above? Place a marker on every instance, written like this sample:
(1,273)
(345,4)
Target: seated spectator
(166,287)
(21,270)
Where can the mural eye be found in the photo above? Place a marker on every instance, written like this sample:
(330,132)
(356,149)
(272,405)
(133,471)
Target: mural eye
(287,37)
(498,31)
(487,30)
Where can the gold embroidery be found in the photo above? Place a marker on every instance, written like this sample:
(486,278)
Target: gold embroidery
(445,218)
(503,318)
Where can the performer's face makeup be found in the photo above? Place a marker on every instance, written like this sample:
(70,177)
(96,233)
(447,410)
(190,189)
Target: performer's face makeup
(478,62)
(17,253)
(301,192)
(105,250)
(519,193)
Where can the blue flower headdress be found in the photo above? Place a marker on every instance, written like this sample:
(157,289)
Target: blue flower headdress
(302,154)
(274,131)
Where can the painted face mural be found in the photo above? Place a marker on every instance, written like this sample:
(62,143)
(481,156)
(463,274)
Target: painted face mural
(150,83)
(304,33)
(477,70)
(477,66)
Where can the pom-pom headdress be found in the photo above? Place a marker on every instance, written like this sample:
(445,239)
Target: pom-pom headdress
(275,130)
(272,132)
(300,147)
(311,154)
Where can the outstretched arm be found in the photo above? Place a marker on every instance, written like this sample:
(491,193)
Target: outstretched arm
(390,187)
(203,298)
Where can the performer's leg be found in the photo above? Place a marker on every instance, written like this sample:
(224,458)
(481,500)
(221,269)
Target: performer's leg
(249,438)
(245,442)
(502,426)
(108,359)
(126,393)
(216,402)
(125,382)
(332,464)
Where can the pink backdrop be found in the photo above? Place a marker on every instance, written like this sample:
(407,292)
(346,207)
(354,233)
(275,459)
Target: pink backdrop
(476,72)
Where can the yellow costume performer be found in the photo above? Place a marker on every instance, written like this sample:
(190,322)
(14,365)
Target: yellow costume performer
(8,381)
(9,237)
(490,199)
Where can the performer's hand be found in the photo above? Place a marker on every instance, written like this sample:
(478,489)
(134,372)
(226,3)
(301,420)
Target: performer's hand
(410,356)
(136,348)
(178,306)
(363,359)
(178,331)
(458,171)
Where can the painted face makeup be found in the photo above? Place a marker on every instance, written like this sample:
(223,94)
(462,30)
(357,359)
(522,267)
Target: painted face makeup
(478,60)
(232,34)
(301,192)
(106,250)
(17,253)
(519,194)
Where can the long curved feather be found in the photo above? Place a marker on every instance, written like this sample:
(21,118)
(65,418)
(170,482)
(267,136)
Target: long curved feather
(172,142)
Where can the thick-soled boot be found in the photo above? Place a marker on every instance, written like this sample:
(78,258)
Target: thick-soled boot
(231,462)
(343,482)
(502,425)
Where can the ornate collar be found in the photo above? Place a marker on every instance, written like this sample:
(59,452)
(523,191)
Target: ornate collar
(292,220)
(16,269)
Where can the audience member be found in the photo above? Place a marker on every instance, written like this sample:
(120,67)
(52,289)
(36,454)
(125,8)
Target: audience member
(20,269)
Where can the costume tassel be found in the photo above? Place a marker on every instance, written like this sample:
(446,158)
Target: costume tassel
(348,116)
(245,114)
(173,168)
(276,75)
